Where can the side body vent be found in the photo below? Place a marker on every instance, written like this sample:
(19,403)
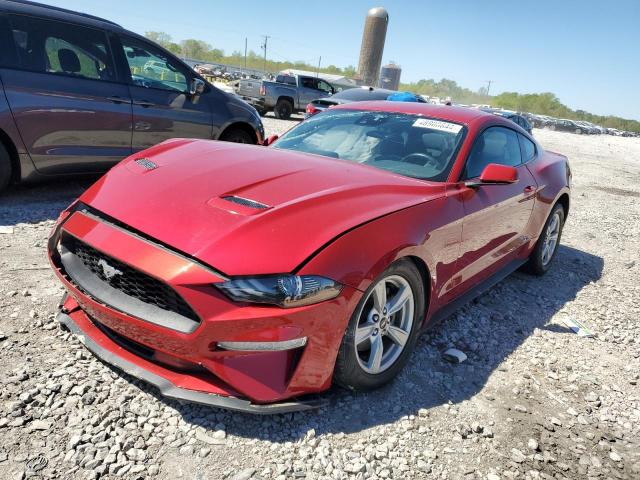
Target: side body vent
(245,202)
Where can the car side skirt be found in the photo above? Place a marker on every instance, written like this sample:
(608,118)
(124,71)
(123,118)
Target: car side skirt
(451,307)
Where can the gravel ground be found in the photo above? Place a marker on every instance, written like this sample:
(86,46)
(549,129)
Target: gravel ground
(533,400)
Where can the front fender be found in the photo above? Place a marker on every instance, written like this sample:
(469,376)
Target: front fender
(430,231)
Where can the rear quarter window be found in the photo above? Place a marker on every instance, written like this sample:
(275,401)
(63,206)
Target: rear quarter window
(528,148)
(54,47)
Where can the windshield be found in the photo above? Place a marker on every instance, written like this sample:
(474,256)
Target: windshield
(409,145)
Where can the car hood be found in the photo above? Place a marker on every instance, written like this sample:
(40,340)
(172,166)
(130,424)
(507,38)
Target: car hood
(245,209)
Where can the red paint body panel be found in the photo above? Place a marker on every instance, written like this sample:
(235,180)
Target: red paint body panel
(319,216)
(185,192)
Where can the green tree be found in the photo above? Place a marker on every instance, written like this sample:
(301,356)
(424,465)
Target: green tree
(161,38)
(197,49)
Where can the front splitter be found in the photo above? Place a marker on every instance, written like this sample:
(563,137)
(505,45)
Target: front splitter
(169,390)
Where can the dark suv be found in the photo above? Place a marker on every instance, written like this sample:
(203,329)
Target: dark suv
(79,93)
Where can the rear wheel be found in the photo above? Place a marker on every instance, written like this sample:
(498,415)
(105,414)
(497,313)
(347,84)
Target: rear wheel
(237,135)
(578,131)
(547,245)
(283,109)
(383,329)
(5,168)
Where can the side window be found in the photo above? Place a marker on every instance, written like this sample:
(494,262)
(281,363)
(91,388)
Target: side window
(7,51)
(72,59)
(151,68)
(308,82)
(495,145)
(324,86)
(61,48)
(528,148)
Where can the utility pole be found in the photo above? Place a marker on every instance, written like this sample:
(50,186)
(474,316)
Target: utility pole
(245,53)
(488,86)
(264,47)
(318,70)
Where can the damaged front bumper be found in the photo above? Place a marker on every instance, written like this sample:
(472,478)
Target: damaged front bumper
(103,348)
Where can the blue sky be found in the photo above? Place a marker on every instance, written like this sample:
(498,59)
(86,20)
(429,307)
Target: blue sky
(587,52)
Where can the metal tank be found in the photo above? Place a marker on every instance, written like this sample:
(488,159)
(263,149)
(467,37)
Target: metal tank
(373,37)
(390,76)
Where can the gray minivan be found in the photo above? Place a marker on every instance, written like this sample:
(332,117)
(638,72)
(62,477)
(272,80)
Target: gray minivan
(79,93)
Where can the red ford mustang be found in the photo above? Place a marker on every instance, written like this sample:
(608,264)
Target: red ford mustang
(246,277)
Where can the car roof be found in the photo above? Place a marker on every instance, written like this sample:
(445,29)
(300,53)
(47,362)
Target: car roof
(26,7)
(363,93)
(443,112)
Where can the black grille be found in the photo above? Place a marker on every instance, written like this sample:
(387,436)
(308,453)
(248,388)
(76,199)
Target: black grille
(128,280)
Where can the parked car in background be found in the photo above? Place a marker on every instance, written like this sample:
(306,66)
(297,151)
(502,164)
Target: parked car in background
(360,94)
(80,93)
(205,69)
(515,118)
(566,125)
(536,121)
(157,68)
(318,259)
(286,95)
(589,127)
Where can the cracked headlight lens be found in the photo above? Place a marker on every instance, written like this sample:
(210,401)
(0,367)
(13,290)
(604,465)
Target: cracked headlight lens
(283,290)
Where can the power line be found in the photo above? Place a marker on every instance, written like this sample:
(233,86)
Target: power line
(245,53)
(488,86)
(264,47)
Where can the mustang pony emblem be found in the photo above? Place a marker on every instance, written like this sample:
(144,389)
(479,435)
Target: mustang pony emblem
(108,270)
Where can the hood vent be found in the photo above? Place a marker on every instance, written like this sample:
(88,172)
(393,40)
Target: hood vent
(245,202)
(146,163)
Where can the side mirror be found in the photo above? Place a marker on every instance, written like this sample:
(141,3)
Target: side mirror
(495,174)
(196,87)
(269,140)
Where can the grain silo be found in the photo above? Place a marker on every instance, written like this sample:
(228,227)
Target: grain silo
(375,31)
(390,76)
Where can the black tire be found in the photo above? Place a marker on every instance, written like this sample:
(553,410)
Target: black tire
(348,372)
(579,131)
(283,109)
(536,265)
(237,135)
(5,168)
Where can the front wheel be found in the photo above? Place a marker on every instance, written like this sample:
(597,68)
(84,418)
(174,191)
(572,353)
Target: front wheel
(237,135)
(547,246)
(283,109)
(383,329)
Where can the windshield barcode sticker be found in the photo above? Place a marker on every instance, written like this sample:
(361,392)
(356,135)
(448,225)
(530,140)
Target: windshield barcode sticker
(437,125)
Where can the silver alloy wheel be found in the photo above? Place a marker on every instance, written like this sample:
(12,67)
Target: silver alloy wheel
(551,238)
(384,324)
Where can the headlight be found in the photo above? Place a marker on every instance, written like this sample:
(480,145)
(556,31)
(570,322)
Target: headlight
(282,290)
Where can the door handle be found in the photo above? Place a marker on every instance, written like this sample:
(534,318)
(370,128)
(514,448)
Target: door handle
(529,189)
(116,99)
(143,103)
